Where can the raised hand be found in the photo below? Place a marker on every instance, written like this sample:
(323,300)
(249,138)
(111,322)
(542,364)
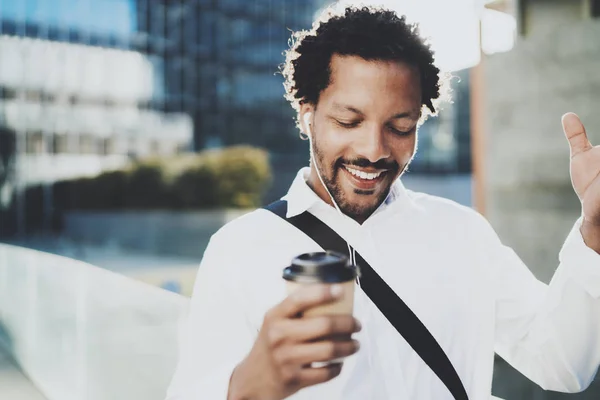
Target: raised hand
(585,168)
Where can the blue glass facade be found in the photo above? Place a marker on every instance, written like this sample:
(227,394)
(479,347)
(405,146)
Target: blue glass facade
(113,20)
(220,62)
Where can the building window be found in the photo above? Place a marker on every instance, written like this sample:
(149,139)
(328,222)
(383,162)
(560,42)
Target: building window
(34,143)
(60,144)
(523,8)
(87,144)
(107,146)
(595,8)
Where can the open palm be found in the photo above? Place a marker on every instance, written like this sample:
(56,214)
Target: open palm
(585,167)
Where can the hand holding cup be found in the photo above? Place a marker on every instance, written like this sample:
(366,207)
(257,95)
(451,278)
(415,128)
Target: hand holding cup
(312,326)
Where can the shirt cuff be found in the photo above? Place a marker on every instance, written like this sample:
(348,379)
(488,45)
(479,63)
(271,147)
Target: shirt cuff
(581,262)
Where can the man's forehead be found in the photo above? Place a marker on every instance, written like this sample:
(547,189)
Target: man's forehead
(361,87)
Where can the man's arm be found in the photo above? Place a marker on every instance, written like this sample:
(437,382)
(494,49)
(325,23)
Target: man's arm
(551,333)
(585,177)
(548,332)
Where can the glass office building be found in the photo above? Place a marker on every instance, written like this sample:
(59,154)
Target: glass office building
(75,96)
(220,62)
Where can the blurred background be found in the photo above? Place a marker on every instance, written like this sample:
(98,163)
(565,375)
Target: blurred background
(131,130)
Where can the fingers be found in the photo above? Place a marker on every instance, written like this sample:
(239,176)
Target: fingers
(313,376)
(307,297)
(576,135)
(307,329)
(322,351)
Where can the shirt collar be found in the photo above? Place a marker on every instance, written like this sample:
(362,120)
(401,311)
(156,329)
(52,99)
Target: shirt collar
(301,197)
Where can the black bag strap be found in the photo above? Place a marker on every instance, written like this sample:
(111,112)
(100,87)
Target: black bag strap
(408,325)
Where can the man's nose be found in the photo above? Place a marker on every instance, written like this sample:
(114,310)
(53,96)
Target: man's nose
(372,145)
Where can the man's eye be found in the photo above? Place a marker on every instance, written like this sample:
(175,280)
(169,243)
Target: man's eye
(399,132)
(348,125)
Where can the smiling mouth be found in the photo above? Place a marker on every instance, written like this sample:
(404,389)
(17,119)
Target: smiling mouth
(364,180)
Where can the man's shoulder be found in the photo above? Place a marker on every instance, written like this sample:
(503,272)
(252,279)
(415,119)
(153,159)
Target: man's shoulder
(256,222)
(444,209)
(434,203)
(451,217)
(256,228)
(260,239)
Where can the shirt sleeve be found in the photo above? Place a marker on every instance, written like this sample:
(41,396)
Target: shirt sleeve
(549,332)
(216,335)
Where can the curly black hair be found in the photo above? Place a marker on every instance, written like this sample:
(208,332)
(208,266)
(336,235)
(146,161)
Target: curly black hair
(371,33)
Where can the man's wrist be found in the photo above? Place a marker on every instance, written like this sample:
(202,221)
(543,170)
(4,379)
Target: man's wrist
(591,235)
(238,387)
(232,392)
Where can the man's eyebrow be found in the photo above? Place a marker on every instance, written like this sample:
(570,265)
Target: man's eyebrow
(343,107)
(408,114)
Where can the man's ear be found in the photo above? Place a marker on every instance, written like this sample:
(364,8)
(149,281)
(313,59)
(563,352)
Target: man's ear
(306,119)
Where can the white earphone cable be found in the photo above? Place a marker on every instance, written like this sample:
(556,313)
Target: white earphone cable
(314,160)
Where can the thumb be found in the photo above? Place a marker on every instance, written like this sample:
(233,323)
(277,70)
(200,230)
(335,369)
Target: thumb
(575,132)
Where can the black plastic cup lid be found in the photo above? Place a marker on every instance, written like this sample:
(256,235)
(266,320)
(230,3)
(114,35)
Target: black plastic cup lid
(320,267)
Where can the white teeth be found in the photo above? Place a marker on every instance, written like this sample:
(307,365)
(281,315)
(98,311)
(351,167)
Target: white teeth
(363,175)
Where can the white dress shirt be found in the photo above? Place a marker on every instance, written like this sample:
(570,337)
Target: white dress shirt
(444,260)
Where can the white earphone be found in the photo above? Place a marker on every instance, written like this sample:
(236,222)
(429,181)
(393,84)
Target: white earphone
(307,123)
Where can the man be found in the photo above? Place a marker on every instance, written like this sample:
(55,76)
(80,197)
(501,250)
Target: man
(361,82)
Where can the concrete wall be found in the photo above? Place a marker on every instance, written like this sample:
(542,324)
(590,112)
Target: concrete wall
(542,16)
(554,68)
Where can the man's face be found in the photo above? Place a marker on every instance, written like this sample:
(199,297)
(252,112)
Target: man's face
(363,131)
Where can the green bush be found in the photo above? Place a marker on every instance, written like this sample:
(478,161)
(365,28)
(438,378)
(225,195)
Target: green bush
(82,194)
(109,189)
(234,177)
(242,176)
(104,192)
(34,208)
(146,187)
(195,187)
(61,194)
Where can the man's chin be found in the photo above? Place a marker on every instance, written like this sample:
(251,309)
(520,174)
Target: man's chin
(358,203)
(357,213)
(360,206)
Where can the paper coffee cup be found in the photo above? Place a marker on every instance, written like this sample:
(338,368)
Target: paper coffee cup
(343,306)
(324,268)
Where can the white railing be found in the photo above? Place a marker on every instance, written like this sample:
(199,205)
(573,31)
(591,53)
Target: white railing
(81,332)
